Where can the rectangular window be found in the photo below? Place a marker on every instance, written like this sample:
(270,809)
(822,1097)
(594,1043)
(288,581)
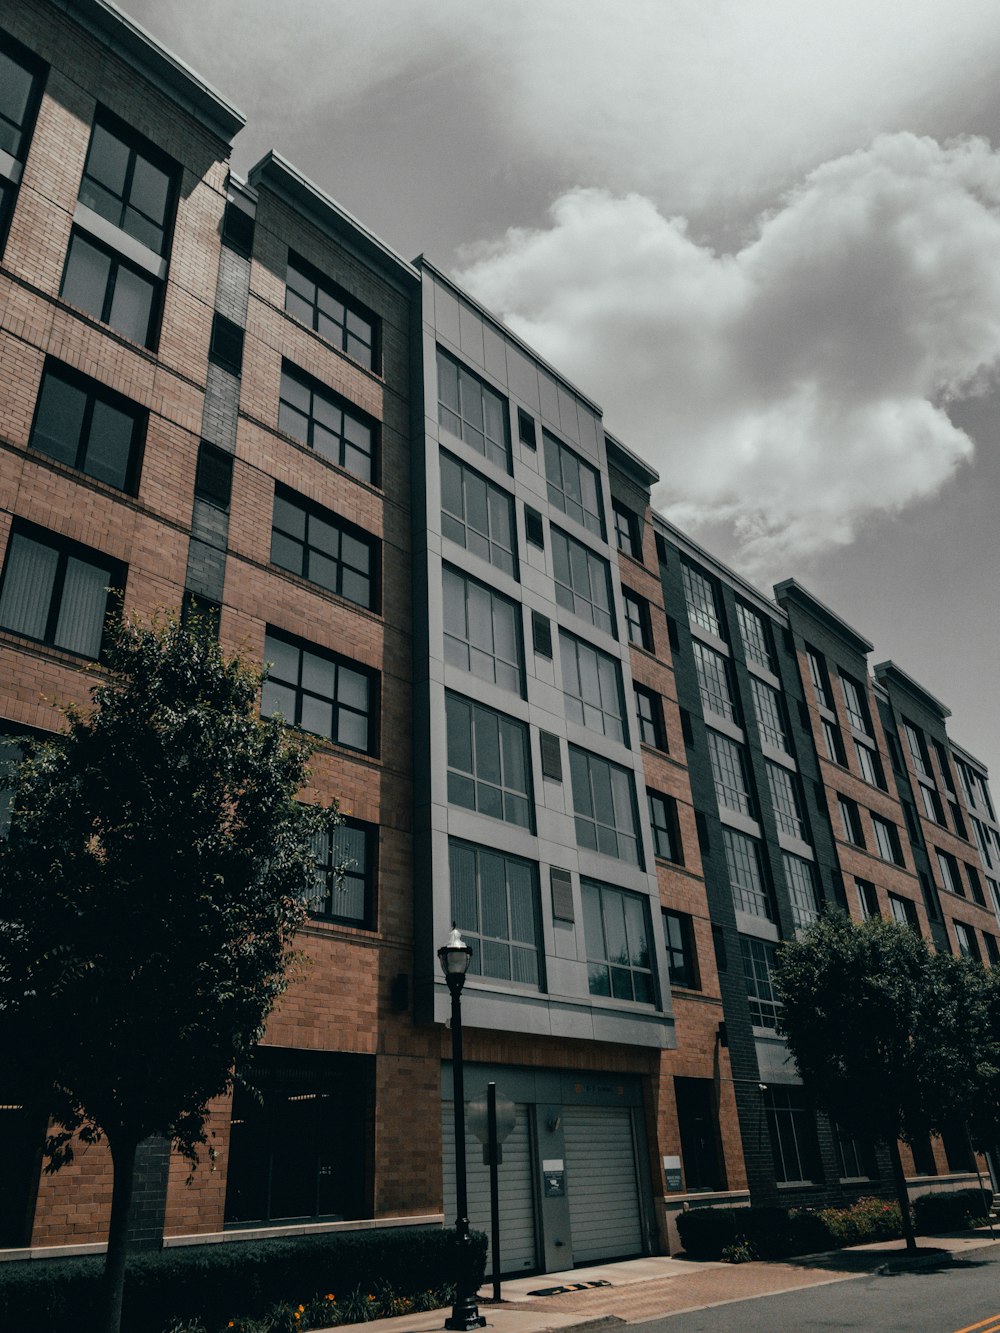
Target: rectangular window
(904,912)
(489,765)
(482,632)
(346,874)
(870,764)
(320,692)
(800,878)
(965,937)
(319,419)
(649,713)
(526,431)
(931,802)
(115,291)
(699,594)
(981,836)
(666,827)
(713,681)
(957,820)
(604,806)
(238,226)
(550,753)
(819,677)
(756,635)
(627,530)
(992,948)
(856,704)
(494,903)
(477,515)
(770,714)
(21,79)
(573,485)
(130,183)
(640,633)
(314,543)
(887,840)
(682,959)
(732,788)
(89,427)
(792,1127)
(758,967)
(855,1157)
(994,889)
(473,411)
(213,480)
(867,899)
(785,800)
(943,765)
(541,634)
(850,817)
(583,581)
(745,875)
(616,926)
(832,741)
(918,750)
(56,591)
(950,878)
(534,528)
(321,305)
(226,346)
(975,886)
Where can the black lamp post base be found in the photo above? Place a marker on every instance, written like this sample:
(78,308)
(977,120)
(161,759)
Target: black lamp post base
(465,1316)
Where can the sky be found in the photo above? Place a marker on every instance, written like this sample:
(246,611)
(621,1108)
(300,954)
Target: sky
(763,235)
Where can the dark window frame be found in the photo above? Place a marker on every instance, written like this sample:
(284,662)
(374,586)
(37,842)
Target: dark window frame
(513,668)
(317,513)
(682,953)
(502,556)
(560,461)
(313,276)
(116,263)
(509,797)
(139,147)
(333,882)
(665,824)
(475,936)
(627,536)
(95,392)
(300,691)
(649,717)
(292,375)
(601,958)
(495,450)
(638,626)
(624,823)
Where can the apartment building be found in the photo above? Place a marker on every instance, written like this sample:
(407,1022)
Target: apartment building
(549,716)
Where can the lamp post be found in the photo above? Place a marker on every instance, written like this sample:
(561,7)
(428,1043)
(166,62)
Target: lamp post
(455,957)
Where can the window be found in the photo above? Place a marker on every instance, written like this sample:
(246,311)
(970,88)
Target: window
(604,806)
(994,889)
(346,875)
(238,225)
(666,827)
(226,346)
(201,613)
(957,820)
(758,968)
(323,306)
(317,418)
(870,764)
(965,937)
(785,800)
(943,765)
(950,878)
(855,704)
(832,741)
(573,485)
(619,960)
(11,755)
(799,877)
(867,899)
(932,804)
(592,685)
(21,77)
(745,876)
(649,713)
(320,692)
(550,753)
(119,293)
(682,959)
(534,529)
(713,681)
(472,411)
(56,591)
(477,515)
(489,765)
(699,594)
(583,581)
(627,530)
(756,635)
(904,912)
(541,634)
(820,679)
(482,632)
(637,624)
(851,819)
(992,948)
(770,714)
(792,1127)
(918,750)
(855,1157)
(982,841)
(526,432)
(314,543)
(887,840)
(494,903)
(88,427)
(130,183)
(729,773)
(213,480)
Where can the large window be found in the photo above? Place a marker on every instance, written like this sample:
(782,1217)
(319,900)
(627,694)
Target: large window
(682,959)
(477,514)
(346,873)
(732,788)
(322,306)
(820,677)
(870,764)
(856,1158)
(320,692)
(619,959)
(666,827)
(111,288)
(799,877)
(130,183)
(604,806)
(965,937)
(758,968)
(473,411)
(713,681)
(583,580)
(88,426)
(832,741)
(20,89)
(699,594)
(488,762)
(494,903)
(887,840)
(931,802)
(904,912)
(482,632)
(745,875)
(756,635)
(592,683)
(56,591)
(785,800)
(770,714)
(850,817)
(792,1125)
(855,704)
(309,540)
(574,486)
(950,877)
(319,419)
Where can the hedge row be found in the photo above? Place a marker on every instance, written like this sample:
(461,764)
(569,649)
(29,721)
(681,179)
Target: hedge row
(216,1283)
(953,1211)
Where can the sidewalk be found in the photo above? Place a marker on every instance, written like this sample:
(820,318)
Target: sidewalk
(641,1289)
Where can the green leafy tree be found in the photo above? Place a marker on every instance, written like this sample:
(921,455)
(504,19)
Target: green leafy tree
(890,1039)
(154,874)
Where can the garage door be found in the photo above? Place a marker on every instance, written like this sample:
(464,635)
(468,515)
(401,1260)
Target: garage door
(517,1206)
(600,1183)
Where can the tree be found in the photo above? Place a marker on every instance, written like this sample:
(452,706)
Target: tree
(155,871)
(889,1039)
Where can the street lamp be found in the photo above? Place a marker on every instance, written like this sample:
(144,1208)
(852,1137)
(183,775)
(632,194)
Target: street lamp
(455,957)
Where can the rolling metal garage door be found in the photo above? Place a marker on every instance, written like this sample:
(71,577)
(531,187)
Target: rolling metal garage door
(517,1200)
(600,1183)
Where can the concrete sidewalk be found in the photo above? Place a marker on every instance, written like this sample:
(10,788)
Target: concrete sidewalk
(640,1289)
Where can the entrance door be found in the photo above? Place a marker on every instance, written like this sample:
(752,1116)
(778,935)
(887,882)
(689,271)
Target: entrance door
(601,1183)
(697,1122)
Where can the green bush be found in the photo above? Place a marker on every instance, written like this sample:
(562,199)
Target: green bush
(217,1283)
(776,1233)
(953,1211)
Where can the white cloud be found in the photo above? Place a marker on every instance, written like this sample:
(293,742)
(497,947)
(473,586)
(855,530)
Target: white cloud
(797,387)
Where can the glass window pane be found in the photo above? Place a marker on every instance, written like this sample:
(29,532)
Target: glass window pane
(109,444)
(27,588)
(132,304)
(85,282)
(61,408)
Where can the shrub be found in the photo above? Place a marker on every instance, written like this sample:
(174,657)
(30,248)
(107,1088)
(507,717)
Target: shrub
(776,1233)
(953,1211)
(706,1232)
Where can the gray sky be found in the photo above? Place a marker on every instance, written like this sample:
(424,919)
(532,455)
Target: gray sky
(764,235)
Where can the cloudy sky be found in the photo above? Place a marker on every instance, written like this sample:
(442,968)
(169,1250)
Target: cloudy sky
(764,235)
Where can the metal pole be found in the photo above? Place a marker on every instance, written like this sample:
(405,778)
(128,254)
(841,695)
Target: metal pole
(491,1112)
(982,1188)
(464,1313)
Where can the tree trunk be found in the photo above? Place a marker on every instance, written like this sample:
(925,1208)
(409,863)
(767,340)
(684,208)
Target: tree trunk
(123,1160)
(902,1194)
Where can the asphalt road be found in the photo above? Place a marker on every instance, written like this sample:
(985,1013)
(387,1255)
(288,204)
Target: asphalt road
(961,1297)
